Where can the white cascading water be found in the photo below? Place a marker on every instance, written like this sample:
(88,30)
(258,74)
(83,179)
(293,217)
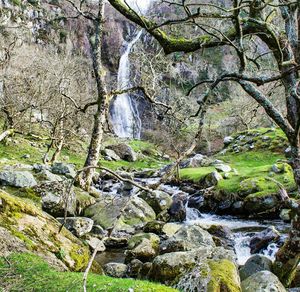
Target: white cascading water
(124,112)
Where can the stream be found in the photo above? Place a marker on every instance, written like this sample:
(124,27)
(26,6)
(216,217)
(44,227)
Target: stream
(243,229)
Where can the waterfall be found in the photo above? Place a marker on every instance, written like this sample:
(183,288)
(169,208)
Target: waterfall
(124,111)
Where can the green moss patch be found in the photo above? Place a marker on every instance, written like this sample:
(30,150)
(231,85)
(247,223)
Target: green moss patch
(27,272)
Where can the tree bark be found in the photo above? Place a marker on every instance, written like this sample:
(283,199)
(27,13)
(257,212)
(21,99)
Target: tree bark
(85,178)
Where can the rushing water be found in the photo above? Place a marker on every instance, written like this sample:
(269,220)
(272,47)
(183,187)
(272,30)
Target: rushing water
(124,112)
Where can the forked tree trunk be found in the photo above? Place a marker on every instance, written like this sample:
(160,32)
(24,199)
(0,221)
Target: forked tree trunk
(86,176)
(288,257)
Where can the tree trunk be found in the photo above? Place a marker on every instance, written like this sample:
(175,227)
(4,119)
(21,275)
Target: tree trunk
(85,178)
(288,257)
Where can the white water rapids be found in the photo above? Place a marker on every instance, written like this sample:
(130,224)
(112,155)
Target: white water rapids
(124,112)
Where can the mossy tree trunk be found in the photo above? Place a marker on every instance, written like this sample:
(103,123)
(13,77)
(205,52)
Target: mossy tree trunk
(86,176)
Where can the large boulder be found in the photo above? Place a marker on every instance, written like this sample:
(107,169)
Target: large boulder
(124,151)
(262,239)
(41,233)
(261,282)
(158,200)
(65,169)
(108,210)
(222,236)
(255,264)
(187,238)
(211,276)
(83,200)
(19,179)
(170,267)
(197,160)
(211,179)
(56,196)
(79,226)
(143,246)
(111,154)
(221,167)
(261,203)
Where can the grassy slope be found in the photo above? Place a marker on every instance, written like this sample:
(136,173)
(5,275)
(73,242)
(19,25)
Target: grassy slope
(26,272)
(15,151)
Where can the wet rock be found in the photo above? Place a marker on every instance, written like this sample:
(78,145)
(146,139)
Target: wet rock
(255,264)
(115,242)
(262,239)
(158,200)
(143,246)
(115,270)
(222,236)
(187,238)
(261,282)
(196,201)
(19,179)
(177,210)
(79,226)
(155,227)
(286,215)
(65,169)
(124,151)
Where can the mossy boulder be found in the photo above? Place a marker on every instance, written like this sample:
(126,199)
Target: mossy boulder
(212,276)
(187,238)
(40,233)
(158,200)
(83,200)
(143,246)
(261,202)
(116,270)
(120,211)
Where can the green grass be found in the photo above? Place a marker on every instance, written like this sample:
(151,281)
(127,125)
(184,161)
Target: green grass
(27,272)
(249,165)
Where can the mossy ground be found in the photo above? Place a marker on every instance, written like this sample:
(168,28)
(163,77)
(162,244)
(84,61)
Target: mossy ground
(27,272)
(249,165)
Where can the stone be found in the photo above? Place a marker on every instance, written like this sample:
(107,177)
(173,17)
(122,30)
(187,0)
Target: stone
(212,179)
(116,270)
(155,227)
(79,226)
(228,140)
(286,215)
(255,264)
(158,200)
(170,229)
(261,282)
(261,203)
(210,276)
(124,151)
(142,246)
(65,169)
(47,176)
(262,239)
(187,238)
(18,179)
(54,198)
(83,200)
(134,268)
(177,210)
(196,161)
(107,211)
(115,242)
(94,243)
(223,168)
(111,154)
(222,236)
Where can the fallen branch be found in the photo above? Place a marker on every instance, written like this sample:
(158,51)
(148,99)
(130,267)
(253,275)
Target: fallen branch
(7,133)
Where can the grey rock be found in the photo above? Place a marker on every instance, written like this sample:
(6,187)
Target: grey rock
(158,200)
(255,264)
(212,179)
(223,168)
(79,226)
(262,281)
(227,140)
(111,154)
(124,151)
(19,179)
(64,168)
(115,270)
